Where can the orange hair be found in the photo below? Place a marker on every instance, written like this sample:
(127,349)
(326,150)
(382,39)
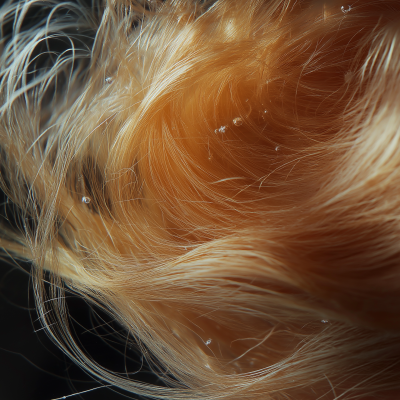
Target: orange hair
(220,176)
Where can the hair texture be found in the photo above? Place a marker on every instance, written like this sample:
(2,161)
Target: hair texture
(222,177)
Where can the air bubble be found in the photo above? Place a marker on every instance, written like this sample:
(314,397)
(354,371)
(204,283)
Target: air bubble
(277,148)
(85,200)
(345,10)
(222,129)
(109,80)
(208,342)
(238,121)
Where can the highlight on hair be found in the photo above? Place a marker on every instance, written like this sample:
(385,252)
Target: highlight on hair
(222,177)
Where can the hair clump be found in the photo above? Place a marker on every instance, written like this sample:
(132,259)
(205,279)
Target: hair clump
(220,176)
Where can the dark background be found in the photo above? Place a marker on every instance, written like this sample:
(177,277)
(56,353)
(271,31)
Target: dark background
(33,368)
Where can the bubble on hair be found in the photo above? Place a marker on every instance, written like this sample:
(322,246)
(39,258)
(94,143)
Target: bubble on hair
(221,129)
(345,10)
(85,199)
(238,121)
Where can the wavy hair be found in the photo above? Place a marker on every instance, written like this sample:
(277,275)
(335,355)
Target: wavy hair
(222,177)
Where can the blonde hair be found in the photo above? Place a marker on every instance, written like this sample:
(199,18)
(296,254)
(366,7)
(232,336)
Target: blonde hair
(220,176)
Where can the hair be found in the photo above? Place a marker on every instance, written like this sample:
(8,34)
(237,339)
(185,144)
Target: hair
(222,177)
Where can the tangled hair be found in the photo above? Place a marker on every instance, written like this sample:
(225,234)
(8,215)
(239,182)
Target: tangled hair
(222,177)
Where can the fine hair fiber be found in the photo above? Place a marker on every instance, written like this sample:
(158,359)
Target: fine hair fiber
(222,177)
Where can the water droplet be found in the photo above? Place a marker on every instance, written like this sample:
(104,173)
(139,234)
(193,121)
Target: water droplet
(324,321)
(208,342)
(265,111)
(109,80)
(222,129)
(277,148)
(345,10)
(85,200)
(238,121)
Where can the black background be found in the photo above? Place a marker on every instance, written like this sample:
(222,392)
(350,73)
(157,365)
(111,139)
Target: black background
(33,368)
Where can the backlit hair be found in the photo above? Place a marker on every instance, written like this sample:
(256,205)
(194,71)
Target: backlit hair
(223,177)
